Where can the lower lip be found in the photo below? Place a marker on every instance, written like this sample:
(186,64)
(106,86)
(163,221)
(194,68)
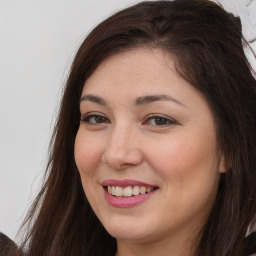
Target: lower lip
(126,202)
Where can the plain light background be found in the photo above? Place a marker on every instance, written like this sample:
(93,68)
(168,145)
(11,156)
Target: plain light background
(38,39)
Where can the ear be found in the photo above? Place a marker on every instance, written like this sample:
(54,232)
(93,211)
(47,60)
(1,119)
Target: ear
(223,164)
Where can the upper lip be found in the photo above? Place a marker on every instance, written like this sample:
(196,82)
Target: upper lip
(125,183)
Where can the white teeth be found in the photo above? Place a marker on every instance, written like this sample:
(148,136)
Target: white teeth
(149,190)
(119,191)
(136,190)
(113,191)
(128,191)
(143,190)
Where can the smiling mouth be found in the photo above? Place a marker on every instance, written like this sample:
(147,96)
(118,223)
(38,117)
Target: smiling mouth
(128,191)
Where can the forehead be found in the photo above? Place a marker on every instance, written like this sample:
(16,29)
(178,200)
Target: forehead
(139,72)
(134,68)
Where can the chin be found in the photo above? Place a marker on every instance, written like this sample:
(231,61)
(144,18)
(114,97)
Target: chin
(129,235)
(127,230)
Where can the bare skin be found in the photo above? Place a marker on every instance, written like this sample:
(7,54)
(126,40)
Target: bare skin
(140,120)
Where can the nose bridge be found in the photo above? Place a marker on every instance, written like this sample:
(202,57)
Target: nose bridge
(120,139)
(122,148)
(121,136)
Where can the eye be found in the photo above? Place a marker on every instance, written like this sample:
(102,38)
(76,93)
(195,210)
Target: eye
(158,120)
(94,119)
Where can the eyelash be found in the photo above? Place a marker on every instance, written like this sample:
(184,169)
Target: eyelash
(86,119)
(168,121)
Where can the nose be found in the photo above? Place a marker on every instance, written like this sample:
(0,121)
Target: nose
(122,149)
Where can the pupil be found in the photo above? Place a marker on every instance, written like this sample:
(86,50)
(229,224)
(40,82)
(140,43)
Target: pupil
(160,121)
(99,119)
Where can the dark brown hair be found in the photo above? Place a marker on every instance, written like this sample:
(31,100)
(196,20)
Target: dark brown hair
(207,45)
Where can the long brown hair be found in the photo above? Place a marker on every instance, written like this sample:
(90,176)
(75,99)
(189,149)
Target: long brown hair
(207,45)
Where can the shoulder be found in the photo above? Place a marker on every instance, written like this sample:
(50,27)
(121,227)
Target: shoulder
(250,244)
(4,240)
(7,246)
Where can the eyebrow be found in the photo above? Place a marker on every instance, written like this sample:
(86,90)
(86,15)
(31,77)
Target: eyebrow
(138,101)
(94,99)
(152,98)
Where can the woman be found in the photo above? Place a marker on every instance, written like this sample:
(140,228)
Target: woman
(154,148)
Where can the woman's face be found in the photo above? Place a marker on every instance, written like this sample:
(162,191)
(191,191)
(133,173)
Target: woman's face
(148,138)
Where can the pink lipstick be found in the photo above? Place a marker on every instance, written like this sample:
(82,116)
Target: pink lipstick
(127,193)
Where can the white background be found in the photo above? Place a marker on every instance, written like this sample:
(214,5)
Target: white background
(38,39)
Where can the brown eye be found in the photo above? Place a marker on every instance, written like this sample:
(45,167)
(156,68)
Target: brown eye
(95,119)
(159,121)
(99,119)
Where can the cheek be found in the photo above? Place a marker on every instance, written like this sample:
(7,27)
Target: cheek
(88,152)
(187,164)
(183,154)
(189,170)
